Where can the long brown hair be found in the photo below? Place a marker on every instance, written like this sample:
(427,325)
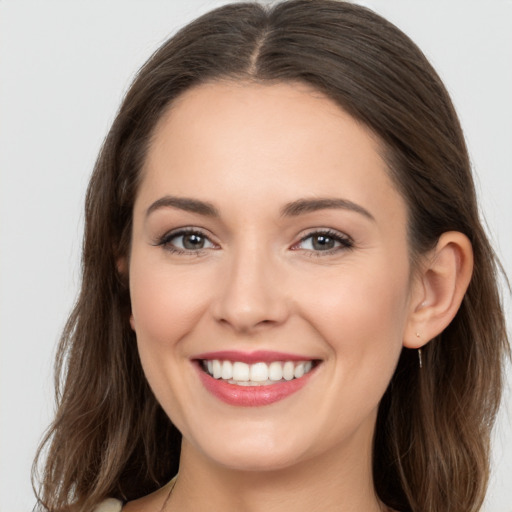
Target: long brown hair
(431,448)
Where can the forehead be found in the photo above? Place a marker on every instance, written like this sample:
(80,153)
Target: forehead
(268,141)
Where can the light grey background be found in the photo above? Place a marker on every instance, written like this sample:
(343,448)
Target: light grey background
(64,66)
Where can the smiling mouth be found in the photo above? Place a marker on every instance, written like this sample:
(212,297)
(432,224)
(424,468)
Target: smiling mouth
(256,374)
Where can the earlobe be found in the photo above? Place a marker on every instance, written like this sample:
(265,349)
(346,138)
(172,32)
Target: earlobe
(440,288)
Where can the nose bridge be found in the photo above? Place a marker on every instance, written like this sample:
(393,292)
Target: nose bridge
(251,295)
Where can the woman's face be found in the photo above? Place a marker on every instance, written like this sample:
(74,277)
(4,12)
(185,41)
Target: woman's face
(266,230)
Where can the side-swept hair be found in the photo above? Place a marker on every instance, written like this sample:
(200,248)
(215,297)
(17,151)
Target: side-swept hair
(110,437)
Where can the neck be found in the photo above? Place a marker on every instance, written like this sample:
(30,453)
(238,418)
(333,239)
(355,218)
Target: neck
(338,481)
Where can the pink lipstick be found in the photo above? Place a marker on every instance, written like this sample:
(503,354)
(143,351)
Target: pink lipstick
(249,379)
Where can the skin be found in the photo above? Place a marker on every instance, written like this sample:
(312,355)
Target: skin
(260,284)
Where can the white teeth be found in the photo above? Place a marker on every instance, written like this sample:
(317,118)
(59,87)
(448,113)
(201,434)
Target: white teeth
(217,369)
(241,371)
(299,371)
(243,374)
(259,372)
(288,370)
(227,370)
(275,371)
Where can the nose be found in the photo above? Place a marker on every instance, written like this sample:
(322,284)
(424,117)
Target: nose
(252,295)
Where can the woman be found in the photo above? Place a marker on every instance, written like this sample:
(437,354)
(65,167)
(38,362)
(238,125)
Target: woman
(287,293)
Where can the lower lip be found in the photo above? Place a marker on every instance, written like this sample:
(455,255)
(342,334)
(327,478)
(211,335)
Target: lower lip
(252,396)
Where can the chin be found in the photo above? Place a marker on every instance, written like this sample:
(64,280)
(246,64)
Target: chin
(252,451)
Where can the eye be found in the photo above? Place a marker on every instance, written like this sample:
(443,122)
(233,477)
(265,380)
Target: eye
(186,241)
(324,241)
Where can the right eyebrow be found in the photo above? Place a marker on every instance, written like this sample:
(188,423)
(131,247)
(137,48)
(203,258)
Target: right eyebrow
(184,203)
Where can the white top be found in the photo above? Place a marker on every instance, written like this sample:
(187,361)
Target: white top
(109,505)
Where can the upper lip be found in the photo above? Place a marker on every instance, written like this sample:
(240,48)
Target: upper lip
(256,356)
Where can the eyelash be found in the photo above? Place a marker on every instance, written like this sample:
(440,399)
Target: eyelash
(165,241)
(345,242)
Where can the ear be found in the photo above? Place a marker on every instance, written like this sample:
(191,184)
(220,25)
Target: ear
(439,288)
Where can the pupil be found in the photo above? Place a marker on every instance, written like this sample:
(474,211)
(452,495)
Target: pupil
(323,243)
(193,241)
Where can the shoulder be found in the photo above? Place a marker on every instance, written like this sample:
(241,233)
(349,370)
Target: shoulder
(109,505)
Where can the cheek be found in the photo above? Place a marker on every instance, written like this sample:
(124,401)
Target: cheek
(361,318)
(165,305)
(361,311)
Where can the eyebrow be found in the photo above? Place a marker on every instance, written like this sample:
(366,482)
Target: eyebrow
(293,209)
(184,203)
(302,206)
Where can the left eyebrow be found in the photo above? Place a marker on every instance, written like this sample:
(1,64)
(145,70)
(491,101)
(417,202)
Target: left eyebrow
(302,206)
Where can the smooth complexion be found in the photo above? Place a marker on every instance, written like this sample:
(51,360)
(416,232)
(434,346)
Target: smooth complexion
(266,221)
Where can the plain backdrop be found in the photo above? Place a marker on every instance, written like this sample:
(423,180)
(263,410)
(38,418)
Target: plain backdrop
(64,67)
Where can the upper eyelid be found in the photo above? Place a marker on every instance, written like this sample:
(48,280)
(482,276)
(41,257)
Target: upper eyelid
(185,231)
(325,231)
